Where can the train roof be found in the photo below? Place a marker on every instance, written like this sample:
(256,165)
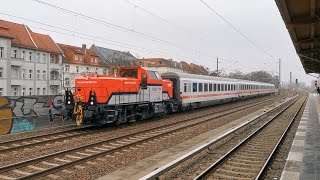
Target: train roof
(203,77)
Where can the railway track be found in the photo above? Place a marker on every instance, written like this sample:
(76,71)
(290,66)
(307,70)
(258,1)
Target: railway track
(61,160)
(228,165)
(250,157)
(38,140)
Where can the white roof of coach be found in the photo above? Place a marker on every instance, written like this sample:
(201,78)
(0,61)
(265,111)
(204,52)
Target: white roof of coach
(203,77)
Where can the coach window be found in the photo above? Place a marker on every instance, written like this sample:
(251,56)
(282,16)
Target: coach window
(189,87)
(210,87)
(214,87)
(194,87)
(226,87)
(185,87)
(229,87)
(222,87)
(219,88)
(205,87)
(200,87)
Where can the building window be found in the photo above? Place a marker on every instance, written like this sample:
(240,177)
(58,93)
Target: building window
(23,91)
(30,56)
(23,55)
(30,91)
(77,69)
(1,51)
(66,68)
(44,75)
(76,57)
(23,72)
(1,91)
(44,58)
(15,54)
(15,91)
(38,57)
(1,72)
(15,72)
(52,59)
(44,91)
(67,81)
(38,74)
(96,60)
(30,74)
(38,91)
(92,59)
(80,57)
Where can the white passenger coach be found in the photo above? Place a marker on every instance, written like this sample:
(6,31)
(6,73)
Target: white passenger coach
(199,90)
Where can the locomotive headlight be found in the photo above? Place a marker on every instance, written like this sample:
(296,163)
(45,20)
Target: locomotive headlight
(91,103)
(69,102)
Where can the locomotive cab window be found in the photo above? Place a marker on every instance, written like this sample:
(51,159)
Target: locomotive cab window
(129,73)
(154,75)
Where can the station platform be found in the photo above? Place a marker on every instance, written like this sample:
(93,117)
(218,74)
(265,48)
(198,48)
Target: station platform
(303,161)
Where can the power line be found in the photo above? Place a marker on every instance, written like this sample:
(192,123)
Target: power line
(236,29)
(181,28)
(112,42)
(125,29)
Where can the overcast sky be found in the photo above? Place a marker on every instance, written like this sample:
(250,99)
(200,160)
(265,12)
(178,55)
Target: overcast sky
(176,29)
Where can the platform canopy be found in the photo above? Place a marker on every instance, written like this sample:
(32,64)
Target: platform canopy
(302,18)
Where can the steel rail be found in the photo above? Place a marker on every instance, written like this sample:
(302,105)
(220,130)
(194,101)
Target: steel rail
(75,129)
(35,160)
(158,172)
(280,140)
(86,133)
(228,154)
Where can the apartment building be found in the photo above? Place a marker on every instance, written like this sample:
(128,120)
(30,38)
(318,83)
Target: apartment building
(160,64)
(114,59)
(78,61)
(30,63)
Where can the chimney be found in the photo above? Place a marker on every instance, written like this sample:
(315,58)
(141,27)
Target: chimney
(84,48)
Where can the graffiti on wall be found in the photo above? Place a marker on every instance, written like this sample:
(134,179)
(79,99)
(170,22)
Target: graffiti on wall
(25,113)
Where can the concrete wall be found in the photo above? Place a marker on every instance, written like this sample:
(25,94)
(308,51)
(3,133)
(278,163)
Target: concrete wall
(26,113)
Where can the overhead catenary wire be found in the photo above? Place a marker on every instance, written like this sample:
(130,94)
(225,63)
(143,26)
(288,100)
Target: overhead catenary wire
(125,29)
(236,29)
(178,27)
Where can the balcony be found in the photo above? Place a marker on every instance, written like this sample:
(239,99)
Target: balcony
(55,67)
(55,82)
